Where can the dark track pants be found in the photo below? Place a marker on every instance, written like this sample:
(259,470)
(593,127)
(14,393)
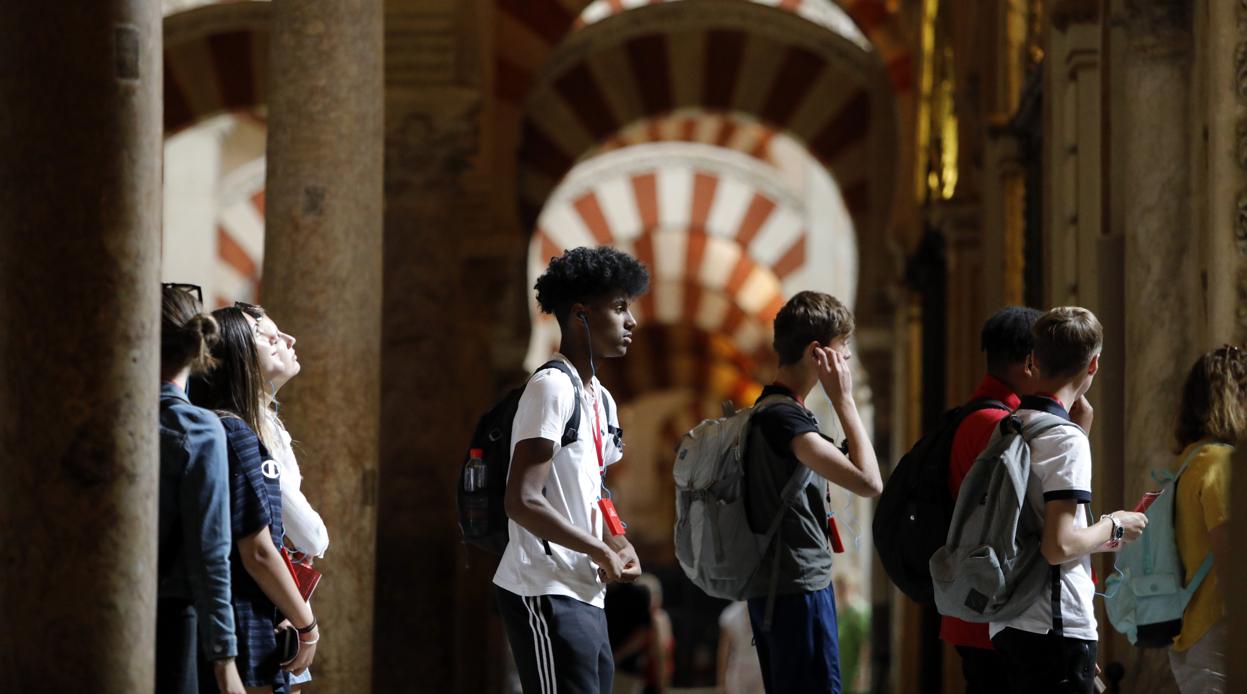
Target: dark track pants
(560,644)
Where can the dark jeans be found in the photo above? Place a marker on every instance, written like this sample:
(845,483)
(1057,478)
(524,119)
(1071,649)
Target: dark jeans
(176,644)
(984,670)
(1047,663)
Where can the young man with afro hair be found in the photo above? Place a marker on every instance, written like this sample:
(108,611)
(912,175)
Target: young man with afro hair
(551,582)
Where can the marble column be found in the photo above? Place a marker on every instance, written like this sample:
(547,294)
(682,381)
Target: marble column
(322,283)
(79,360)
(1149,173)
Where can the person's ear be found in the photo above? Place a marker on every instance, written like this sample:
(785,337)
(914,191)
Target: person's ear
(811,350)
(1094,366)
(579,311)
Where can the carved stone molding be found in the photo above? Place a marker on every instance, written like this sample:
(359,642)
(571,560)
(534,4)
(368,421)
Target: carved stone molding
(1240,223)
(1240,149)
(1240,70)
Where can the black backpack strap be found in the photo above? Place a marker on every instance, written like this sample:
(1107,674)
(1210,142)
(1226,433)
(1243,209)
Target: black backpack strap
(983,404)
(1058,623)
(572,431)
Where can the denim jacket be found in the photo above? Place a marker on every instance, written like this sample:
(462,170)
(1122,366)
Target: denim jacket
(195,518)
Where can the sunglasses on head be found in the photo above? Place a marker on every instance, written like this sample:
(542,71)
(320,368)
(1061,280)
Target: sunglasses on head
(184,287)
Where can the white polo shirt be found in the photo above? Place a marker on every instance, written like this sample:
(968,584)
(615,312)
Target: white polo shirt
(1060,469)
(573,488)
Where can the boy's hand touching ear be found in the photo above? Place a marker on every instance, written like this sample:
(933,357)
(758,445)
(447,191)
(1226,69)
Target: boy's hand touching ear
(1082,413)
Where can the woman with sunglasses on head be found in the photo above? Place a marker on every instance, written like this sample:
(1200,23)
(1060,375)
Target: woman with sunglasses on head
(265,593)
(306,534)
(1212,418)
(193,588)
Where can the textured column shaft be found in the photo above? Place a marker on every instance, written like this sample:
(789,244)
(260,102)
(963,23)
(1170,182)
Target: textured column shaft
(79,272)
(322,283)
(1151,175)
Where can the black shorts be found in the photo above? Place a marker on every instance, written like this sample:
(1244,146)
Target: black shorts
(1047,663)
(560,644)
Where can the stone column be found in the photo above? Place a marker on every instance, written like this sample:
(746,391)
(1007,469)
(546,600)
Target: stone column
(79,364)
(1221,183)
(322,283)
(1149,171)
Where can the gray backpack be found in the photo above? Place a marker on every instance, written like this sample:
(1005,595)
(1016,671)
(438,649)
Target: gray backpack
(713,541)
(991,568)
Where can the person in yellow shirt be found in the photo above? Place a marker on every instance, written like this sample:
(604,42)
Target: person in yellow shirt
(1213,415)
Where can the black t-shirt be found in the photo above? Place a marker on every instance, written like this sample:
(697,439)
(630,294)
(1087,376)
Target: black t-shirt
(782,423)
(805,564)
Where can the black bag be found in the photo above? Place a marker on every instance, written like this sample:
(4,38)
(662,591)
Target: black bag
(482,515)
(915,509)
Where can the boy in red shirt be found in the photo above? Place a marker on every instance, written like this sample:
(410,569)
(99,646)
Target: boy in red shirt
(1007,341)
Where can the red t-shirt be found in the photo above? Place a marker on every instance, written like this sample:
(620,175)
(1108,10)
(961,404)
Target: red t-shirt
(971,438)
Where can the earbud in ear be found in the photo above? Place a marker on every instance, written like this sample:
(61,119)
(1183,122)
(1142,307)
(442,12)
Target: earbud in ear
(581,315)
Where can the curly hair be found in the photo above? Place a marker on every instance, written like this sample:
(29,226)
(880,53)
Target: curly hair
(1214,399)
(809,317)
(583,274)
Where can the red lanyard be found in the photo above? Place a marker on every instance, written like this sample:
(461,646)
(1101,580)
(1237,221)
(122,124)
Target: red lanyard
(597,433)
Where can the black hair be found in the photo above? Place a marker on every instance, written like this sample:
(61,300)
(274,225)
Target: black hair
(1008,337)
(584,274)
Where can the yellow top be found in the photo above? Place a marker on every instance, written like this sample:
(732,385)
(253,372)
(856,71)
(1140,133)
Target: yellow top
(1203,503)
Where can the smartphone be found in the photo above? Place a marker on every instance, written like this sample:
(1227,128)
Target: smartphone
(287,644)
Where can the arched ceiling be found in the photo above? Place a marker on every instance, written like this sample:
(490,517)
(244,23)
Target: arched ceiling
(778,68)
(216,61)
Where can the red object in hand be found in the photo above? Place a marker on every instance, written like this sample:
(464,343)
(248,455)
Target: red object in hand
(1145,501)
(611,517)
(833,534)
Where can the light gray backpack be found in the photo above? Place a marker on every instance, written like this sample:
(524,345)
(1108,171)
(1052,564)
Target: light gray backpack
(713,541)
(991,568)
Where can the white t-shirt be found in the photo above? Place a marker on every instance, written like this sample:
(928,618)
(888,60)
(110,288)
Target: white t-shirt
(1060,469)
(572,489)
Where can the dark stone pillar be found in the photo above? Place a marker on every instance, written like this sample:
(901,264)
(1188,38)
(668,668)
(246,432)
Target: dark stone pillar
(322,283)
(79,367)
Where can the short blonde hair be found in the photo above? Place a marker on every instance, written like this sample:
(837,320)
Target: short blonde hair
(1066,339)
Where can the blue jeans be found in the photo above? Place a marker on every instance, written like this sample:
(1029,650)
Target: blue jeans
(801,652)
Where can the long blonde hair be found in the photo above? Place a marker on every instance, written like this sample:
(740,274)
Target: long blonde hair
(1214,399)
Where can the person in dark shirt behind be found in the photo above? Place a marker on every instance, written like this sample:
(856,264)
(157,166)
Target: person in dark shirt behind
(1006,341)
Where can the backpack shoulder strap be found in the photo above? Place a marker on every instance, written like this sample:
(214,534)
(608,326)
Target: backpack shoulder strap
(1042,423)
(1199,577)
(572,431)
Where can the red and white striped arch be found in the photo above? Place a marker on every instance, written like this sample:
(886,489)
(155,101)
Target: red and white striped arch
(725,240)
(825,89)
(729,130)
(528,30)
(215,61)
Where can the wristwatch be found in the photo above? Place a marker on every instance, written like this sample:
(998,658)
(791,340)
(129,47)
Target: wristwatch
(1118,532)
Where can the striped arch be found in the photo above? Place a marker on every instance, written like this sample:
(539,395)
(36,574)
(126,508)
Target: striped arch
(725,241)
(823,88)
(240,236)
(729,130)
(528,30)
(216,61)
